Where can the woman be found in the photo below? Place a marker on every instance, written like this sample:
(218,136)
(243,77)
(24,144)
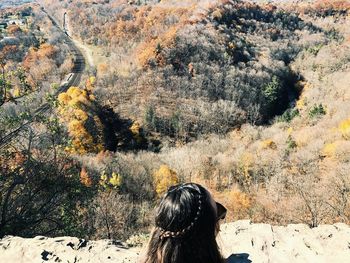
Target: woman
(187,222)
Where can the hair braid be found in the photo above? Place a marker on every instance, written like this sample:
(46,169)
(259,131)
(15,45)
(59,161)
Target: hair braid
(184,231)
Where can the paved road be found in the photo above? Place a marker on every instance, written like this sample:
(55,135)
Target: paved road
(74,80)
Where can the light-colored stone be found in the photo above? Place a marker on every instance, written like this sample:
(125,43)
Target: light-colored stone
(293,243)
(241,241)
(63,249)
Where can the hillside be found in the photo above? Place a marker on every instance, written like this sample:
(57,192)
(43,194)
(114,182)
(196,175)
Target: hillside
(242,242)
(186,70)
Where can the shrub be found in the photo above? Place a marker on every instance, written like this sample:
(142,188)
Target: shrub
(291,143)
(288,115)
(271,94)
(150,118)
(315,49)
(112,215)
(317,111)
(334,35)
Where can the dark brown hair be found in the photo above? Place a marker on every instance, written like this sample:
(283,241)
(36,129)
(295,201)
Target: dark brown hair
(185,228)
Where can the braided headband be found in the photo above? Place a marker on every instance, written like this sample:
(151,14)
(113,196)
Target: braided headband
(167,233)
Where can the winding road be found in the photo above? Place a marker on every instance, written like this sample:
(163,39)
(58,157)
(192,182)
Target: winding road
(72,79)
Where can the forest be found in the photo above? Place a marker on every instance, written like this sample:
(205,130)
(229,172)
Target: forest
(250,99)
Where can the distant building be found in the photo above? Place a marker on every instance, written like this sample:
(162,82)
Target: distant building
(18,22)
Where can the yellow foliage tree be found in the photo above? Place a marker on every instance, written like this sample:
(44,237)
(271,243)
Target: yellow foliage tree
(246,166)
(164,177)
(75,109)
(344,128)
(115,180)
(268,144)
(136,131)
(135,128)
(16,92)
(302,86)
(338,150)
(89,86)
(110,181)
(217,14)
(104,179)
(329,150)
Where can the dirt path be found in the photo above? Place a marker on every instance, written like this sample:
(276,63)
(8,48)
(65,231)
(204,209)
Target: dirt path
(87,52)
(90,52)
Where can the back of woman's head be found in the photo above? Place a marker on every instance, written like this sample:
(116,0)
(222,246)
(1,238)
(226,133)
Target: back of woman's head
(185,227)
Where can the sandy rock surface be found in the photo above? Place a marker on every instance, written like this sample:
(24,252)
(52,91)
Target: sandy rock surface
(263,243)
(241,242)
(64,250)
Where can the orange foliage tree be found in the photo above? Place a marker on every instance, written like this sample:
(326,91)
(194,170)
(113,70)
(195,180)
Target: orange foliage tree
(327,7)
(35,54)
(13,84)
(85,178)
(337,5)
(237,202)
(149,28)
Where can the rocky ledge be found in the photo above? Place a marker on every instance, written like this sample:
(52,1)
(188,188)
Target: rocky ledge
(241,242)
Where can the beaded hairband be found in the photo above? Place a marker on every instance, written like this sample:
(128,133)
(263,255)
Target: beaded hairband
(166,233)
